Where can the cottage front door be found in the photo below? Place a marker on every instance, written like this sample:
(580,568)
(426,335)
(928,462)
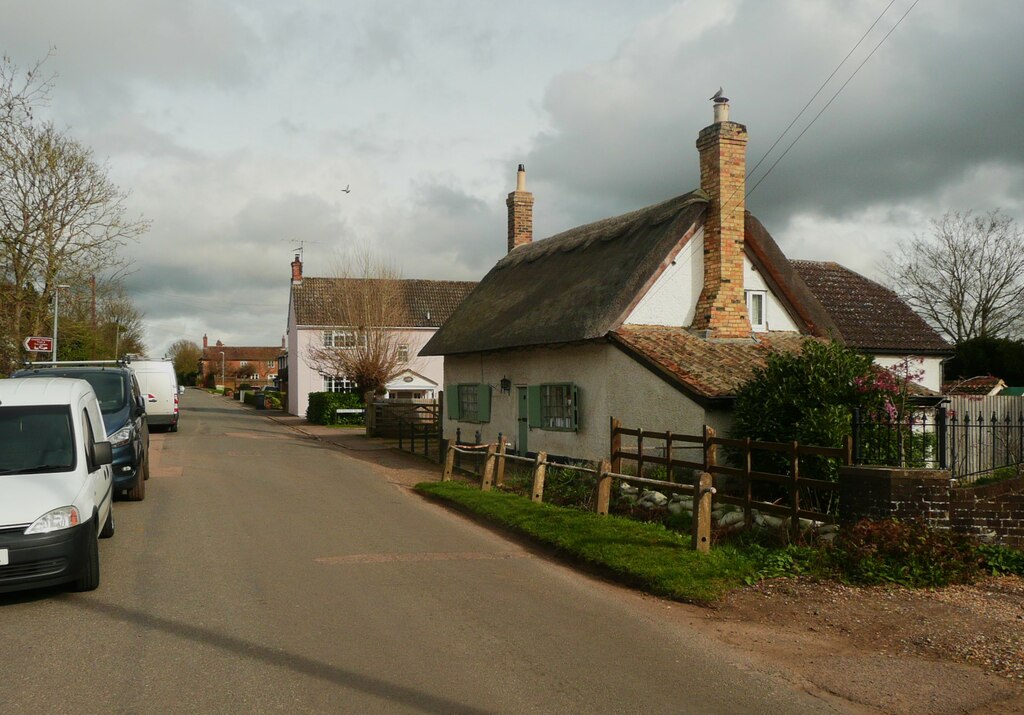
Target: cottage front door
(524,420)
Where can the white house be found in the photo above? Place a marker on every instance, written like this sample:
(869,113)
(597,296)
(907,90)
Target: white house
(655,317)
(315,319)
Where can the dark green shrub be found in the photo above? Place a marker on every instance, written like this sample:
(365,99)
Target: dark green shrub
(1002,560)
(908,553)
(322,406)
(568,487)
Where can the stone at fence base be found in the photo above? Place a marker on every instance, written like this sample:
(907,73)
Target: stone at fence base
(651,499)
(676,507)
(627,489)
(731,518)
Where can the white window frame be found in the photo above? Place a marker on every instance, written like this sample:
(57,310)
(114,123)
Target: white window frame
(403,352)
(760,326)
(346,339)
(338,384)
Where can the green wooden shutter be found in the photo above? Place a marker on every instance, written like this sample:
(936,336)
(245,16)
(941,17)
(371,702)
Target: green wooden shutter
(483,403)
(574,391)
(452,392)
(533,404)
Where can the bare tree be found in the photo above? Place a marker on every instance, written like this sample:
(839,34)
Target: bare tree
(61,218)
(366,301)
(967,277)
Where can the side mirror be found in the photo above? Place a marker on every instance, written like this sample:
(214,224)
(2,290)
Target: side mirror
(102,454)
(142,405)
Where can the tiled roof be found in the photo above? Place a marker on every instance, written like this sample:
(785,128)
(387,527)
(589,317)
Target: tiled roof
(239,353)
(707,369)
(982,385)
(869,316)
(423,303)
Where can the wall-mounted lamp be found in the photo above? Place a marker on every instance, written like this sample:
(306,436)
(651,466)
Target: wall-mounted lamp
(506,386)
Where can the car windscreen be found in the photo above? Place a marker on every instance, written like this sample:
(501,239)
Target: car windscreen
(109,388)
(36,439)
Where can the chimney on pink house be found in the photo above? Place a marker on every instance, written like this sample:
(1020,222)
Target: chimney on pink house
(520,213)
(722,306)
(296,271)
(206,341)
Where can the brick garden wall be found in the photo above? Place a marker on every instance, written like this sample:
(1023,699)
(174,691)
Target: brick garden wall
(990,509)
(994,512)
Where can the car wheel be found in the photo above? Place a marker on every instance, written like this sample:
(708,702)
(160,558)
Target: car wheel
(145,467)
(108,528)
(138,492)
(173,428)
(90,578)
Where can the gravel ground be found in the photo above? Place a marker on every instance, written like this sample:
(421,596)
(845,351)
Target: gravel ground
(958,649)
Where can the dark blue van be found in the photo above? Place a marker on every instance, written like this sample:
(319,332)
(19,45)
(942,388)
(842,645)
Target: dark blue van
(124,416)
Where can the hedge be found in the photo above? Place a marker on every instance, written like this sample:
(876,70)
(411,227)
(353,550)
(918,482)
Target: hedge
(322,406)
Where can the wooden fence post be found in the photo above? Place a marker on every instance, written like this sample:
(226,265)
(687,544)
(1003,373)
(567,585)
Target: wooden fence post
(604,486)
(748,486)
(795,491)
(702,513)
(488,478)
(499,478)
(615,447)
(449,463)
(539,471)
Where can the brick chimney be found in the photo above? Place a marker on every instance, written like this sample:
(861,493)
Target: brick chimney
(722,307)
(206,341)
(296,271)
(520,213)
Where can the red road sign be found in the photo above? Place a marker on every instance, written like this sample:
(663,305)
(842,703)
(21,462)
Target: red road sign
(39,345)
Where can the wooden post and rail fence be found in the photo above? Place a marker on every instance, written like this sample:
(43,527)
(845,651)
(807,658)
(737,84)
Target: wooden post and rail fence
(660,452)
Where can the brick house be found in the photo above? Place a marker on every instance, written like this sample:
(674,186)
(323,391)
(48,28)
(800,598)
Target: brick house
(316,318)
(655,317)
(232,365)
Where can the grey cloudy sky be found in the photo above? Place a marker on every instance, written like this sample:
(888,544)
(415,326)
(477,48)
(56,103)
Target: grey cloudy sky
(235,125)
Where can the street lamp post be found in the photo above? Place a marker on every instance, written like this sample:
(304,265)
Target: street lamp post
(223,381)
(56,311)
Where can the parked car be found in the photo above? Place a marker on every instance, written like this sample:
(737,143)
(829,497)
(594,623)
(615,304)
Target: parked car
(124,413)
(159,386)
(56,484)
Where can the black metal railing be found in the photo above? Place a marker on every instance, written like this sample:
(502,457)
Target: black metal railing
(967,443)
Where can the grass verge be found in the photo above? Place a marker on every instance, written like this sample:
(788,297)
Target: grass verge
(642,555)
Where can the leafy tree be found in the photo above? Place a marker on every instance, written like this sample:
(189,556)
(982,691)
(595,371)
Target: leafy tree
(808,397)
(185,354)
(967,277)
(1001,357)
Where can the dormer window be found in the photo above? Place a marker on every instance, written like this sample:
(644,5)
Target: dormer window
(757,310)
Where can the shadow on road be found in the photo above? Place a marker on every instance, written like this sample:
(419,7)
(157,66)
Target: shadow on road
(384,689)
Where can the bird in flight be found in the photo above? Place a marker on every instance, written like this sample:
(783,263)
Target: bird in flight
(347,189)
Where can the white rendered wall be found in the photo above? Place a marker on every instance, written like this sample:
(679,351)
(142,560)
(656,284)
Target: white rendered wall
(672,300)
(610,384)
(776,316)
(303,379)
(931,367)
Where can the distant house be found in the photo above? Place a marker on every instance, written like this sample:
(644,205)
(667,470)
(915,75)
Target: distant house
(655,317)
(314,319)
(233,365)
(980,386)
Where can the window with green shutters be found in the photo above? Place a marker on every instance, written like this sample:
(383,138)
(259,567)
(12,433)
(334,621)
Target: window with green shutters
(554,406)
(469,402)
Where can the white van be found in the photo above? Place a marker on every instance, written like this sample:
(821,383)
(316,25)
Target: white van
(160,389)
(56,484)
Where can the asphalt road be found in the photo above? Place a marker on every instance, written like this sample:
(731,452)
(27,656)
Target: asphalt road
(267,572)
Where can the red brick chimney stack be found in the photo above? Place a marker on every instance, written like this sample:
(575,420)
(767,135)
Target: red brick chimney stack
(296,270)
(722,307)
(520,213)
(206,341)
